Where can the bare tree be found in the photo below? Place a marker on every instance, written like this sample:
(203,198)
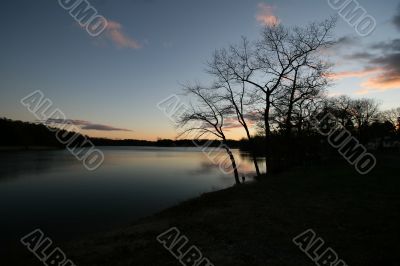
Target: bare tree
(207,116)
(393,116)
(364,112)
(234,91)
(354,114)
(304,112)
(341,108)
(274,58)
(306,84)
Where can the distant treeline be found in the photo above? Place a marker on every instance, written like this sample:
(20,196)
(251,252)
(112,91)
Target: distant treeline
(162,143)
(27,135)
(309,145)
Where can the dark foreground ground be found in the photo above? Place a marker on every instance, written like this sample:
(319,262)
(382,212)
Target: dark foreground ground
(358,216)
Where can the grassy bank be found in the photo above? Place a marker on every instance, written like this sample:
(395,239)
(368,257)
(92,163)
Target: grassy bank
(254,224)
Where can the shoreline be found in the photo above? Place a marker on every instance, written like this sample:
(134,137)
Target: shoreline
(255,223)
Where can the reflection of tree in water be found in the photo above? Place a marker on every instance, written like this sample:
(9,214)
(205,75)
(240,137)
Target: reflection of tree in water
(246,156)
(245,165)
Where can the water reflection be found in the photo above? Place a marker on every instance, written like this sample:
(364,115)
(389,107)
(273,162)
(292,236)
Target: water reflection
(53,191)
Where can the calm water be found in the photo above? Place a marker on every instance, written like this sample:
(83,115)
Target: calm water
(51,190)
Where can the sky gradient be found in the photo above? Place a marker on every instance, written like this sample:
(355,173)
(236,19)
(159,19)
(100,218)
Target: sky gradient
(111,84)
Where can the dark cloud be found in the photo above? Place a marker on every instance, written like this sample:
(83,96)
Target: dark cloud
(396,19)
(343,44)
(103,128)
(378,53)
(391,46)
(85,125)
(382,65)
(390,55)
(347,41)
(389,63)
(361,56)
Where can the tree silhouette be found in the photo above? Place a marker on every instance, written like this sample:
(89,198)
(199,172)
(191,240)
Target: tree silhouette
(207,116)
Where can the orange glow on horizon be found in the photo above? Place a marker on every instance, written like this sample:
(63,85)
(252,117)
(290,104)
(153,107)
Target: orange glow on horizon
(234,133)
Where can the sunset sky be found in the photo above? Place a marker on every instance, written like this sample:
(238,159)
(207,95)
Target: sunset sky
(111,84)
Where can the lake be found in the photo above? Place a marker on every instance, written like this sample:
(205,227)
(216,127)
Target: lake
(53,191)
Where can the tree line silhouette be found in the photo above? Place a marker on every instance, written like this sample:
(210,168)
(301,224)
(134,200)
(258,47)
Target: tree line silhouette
(26,135)
(272,89)
(277,85)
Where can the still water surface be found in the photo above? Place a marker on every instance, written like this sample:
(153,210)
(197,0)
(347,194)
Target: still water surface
(52,191)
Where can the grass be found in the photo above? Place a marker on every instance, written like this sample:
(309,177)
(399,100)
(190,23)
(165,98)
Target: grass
(358,216)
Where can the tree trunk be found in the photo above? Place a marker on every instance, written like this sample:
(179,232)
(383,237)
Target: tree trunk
(234,166)
(268,151)
(253,152)
(290,106)
(258,173)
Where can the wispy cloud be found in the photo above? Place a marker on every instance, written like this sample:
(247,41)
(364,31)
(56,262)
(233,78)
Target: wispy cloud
(383,82)
(114,32)
(231,122)
(382,66)
(265,15)
(353,74)
(85,125)
(389,62)
(340,45)
(384,57)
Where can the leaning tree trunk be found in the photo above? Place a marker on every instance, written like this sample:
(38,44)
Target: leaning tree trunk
(252,147)
(234,166)
(258,173)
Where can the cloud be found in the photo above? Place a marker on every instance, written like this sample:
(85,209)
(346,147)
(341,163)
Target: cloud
(382,67)
(353,74)
(382,62)
(389,78)
(84,125)
(341,45)
(396,18)
(383,82)
(389,62)
(393,45)
(231,122)
(347,40)
(103,128)
(114,32)
(361,56)
(265,15)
